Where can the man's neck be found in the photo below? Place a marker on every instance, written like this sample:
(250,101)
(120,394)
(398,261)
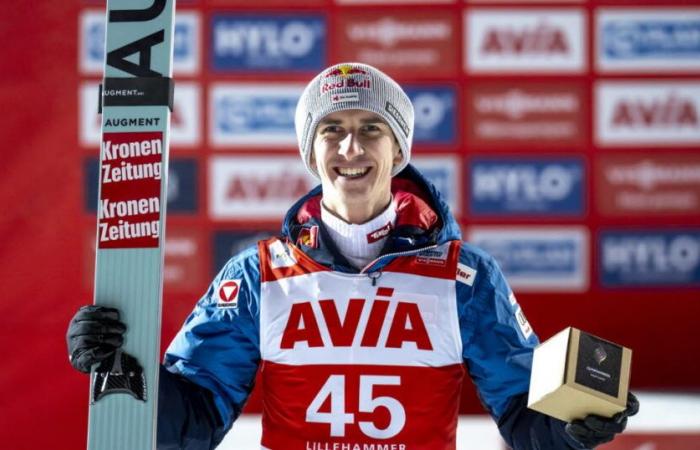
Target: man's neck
(357,213)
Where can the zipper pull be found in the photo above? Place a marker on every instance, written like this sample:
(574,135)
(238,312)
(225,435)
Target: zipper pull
(374,276)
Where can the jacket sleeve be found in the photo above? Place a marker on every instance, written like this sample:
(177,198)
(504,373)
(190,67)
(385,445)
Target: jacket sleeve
(210,366)
(498,343)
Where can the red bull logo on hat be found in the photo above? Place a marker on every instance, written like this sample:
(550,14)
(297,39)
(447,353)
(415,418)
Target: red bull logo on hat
(345,70)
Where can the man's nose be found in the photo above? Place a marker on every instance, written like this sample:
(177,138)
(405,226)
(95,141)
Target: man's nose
(350,146)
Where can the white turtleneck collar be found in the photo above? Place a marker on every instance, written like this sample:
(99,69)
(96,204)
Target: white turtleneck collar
(360,244)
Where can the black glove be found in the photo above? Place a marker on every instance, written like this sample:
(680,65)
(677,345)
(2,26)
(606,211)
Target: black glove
(94,333)
(596,430)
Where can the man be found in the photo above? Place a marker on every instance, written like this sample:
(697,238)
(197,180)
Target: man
(362,317)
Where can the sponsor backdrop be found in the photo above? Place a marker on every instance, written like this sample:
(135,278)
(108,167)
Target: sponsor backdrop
(565,136)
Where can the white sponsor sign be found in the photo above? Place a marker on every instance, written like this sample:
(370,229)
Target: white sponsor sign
(248,114)
(525,40)
(185,121)
(547,258)
(444,173)
(255,188)
(647,113)
(648,40)
(186,42)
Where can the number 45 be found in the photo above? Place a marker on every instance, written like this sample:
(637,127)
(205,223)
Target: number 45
(338,418)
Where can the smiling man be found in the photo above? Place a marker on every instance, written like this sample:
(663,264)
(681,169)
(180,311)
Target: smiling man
(362,318)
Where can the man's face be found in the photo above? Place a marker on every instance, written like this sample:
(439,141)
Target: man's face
(354,152)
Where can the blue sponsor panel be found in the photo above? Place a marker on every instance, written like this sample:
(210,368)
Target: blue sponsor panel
(185,42)
(538,258)
(442,172)
(229,243)
(629,38)
(182,185)
(254,114)
(647,258)
(541,187)
(257,42)
(435,116)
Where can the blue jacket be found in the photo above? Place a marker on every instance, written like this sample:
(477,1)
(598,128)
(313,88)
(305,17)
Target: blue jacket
(210,366)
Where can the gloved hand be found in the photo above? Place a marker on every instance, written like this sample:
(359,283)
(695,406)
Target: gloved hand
(94,333)
(595,430)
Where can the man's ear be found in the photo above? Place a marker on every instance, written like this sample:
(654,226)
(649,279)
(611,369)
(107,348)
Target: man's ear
(398,157)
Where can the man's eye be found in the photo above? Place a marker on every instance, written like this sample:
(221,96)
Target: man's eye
(371,128)
(331,129)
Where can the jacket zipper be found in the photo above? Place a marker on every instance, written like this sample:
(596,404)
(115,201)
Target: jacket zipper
(374,276)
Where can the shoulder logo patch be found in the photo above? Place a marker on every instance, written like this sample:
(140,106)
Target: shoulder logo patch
(280,255)
(465,274)
(227,294)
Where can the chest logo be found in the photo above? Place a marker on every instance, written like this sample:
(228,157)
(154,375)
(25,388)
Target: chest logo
(406,325)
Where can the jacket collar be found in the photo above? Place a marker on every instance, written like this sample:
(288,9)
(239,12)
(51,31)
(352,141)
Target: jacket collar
(423,219)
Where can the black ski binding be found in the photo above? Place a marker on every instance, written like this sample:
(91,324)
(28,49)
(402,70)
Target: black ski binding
(120,373)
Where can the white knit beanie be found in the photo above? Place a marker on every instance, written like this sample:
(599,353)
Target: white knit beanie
(354,86)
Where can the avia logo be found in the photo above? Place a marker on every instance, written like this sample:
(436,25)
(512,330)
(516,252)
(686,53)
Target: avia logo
(376,235)
(673,110)
(543,38)
(279,187)
(407,325)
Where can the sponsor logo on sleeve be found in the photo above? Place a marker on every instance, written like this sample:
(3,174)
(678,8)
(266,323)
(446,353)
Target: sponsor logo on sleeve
(435,114)
(525,40)
(442,171)
(256,42)
(186,42)
(259,115)
(650,258)
(643,184)
(526,115)
(524,325)
(538,258)
(544,186)
(227,293)
(647,113)
(465,274)
(400,42)
(255,188)
(649,41)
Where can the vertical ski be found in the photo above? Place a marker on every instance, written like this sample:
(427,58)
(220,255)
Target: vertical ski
(135,100)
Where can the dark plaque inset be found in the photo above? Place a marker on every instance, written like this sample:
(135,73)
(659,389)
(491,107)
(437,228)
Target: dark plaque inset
(599,364)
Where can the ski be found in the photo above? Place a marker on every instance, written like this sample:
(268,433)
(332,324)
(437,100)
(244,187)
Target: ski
(136,98)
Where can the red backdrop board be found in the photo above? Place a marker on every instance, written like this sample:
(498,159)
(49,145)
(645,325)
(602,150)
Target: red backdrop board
(564,84)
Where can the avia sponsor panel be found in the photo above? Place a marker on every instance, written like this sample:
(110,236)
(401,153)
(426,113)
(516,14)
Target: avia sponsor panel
(648,184)
(401,42)
(538,258)
(526,115)
(541,187)
(435,114)
(444,172)
(185,120)
(259,115)
(227,244)
(266,42)
(186,42)
(182,184)
(525,40)
(648,40)
(647,113)
(256,188)
(650,258)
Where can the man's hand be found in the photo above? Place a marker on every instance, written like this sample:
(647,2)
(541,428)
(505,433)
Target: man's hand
(596,430)
(94,333)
